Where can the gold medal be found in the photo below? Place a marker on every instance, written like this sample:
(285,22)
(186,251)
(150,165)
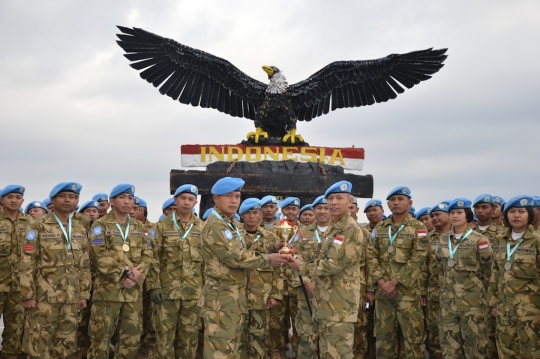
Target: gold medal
(125,247)
(507,265)
(451,263)
(390,249)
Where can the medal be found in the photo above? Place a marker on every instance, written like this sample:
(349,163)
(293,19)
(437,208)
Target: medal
(390,249)
(451,263)
(510,253)
(452,251)
(69,255)
(393,237)
(507,265)
(125,247)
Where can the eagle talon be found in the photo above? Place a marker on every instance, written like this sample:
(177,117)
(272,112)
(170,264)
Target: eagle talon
(293,136)
(258,133)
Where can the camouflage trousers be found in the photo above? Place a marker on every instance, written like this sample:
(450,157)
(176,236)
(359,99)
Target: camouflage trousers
(83,319)
(104,317)
(391,315)
(12,311)
(177,324)
(518,338)
(463,334)
(432,320)
(223,334)
(336,339)
(280,322)
(360,331)
(491,330)
(51,331)
(148,339)
(307,329)
(255,334)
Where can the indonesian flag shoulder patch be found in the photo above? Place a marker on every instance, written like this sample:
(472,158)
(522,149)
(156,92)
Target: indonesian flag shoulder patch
(28,247)
(421,233)
(338,240)
(483,245)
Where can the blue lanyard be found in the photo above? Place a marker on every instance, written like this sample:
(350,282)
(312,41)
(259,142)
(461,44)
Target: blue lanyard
(257,238)
(122,234)
(453,251)
(509,252)
(317,235)
(393,238)
(177,226)
(230,225)
(68,237)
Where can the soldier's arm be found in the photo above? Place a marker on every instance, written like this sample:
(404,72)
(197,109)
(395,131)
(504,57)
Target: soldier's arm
(492,293)
(85,278)
(152,279)
(423,278)
(28,264)
(373,252)
(147,256)
(432,270)
(340,256)
(410,272)
(485,257)
(104,263)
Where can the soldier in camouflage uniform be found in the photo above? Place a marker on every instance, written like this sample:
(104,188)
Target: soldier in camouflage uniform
(122,256)
(269,209)
(397,249)
(175,280)
(514,288)
(104,205)
(226,260)
(536,210)
(12,229)
(497,211)
(464,258)
(55,277)
(338,276)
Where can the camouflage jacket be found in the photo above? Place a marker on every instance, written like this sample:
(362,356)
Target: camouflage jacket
(110,260)
(337,271)
(49,271)
(516,290)
(433,282)
(490,232)
(177,266)
(310,247)
(263,225)
(11,239)
(226,261)
(408,254)
(83,219)
(464,285)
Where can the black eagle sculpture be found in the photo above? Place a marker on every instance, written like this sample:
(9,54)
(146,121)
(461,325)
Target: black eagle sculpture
(198,78)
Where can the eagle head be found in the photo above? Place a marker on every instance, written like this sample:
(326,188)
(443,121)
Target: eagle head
(270,70)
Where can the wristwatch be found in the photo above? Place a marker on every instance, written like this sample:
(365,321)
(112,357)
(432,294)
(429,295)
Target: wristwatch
(126,270)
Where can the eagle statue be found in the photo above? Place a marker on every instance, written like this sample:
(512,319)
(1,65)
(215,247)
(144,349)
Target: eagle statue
(198,78)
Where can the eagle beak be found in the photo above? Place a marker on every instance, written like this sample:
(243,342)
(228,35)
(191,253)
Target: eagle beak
(268,70)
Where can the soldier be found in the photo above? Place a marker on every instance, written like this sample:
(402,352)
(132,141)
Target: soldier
(47,203)
(423,216)
(175,281)
(104,205)
(122,256)
(134,212)
(497,211)
(36,210)
(226,260)
(338,271)
(353,209)
(397,249)
(262,293)
(90,209)
(55,277)
(207,213)
(12,226)
(169,206)
(464,258)
(536,210)
(306,215)
(374,212)
(514,288)
(269,209)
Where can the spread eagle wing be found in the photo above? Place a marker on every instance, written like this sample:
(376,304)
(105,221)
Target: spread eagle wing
(191,76)
(361,83)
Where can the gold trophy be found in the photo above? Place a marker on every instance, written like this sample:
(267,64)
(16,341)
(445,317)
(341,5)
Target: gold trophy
(286,232)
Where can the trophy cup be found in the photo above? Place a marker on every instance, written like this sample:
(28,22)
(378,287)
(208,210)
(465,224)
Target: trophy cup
(286,232)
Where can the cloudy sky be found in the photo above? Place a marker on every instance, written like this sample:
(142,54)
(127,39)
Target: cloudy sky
(72,108)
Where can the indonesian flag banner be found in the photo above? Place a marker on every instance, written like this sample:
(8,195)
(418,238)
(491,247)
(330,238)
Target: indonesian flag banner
(203,155)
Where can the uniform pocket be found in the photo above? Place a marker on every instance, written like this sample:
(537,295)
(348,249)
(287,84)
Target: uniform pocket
(5,247)
(195,249)
(524,266)
(403,247)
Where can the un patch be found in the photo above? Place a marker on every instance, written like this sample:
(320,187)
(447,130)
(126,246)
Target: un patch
(97,242)
(228,234)
(31,235)
(149,244)
(153,233)
(97,231)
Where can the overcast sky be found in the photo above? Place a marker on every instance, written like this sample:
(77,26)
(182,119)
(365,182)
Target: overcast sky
(73,110)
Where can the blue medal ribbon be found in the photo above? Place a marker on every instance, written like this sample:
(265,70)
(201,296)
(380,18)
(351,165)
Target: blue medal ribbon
(257,238)
(68,234)
(393,238)
(122,234)
(510,253)
(230,225)
(177,226)
(317,235)
(453,251)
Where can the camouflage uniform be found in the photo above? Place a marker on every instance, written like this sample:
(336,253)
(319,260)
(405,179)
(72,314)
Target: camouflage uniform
(462,330)
(11,238)
(224,301)
(338,272)
(112,302)
(57,278)
(432,292)
(516,295)
(360,329)
(148,339)
(177,271)
(404,310)
(370,314)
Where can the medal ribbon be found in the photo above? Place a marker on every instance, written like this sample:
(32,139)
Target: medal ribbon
(68,234)
(177,226)
(317,235)
(257,238)
(510,253)
(230,225)
(393,238)
(453,251)
(122,234)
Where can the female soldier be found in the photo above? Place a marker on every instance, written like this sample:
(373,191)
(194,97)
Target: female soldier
(465,263)
(514,288)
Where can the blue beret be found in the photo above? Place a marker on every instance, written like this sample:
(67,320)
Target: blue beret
(249,204)
(277,215)
(372,203)
(122,188)
(474,218)
(536,200)
(65,187)
(483,198)
(142,202)
(339,187)
(412,210)
(136,200)
(307,207)
(168,203)
(460,203)
(12,188)
(187,188)
(354,200)
(268,199)
(237,216)
(498,200)
(384,218)
(89,204)
(100,197)
(519,202)
(424,211)
(162,217)
(401,190)
(46,202)
(227,185)
(447,201)
(207,213)
(441,207)
(35,204)
(290,201)
(319,200)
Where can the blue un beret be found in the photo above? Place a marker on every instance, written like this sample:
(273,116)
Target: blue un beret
(307,207)
(46,202)
(519,202)
(65,187)
(162,217)
(536,200)
(249,204)
(136,200)
(207,213)
(142,202)
(412,210)
(35,204)
(168,203)
(89,204)
(372,203)
(268,199)
(12,188)
(290,201)
(424,211)
(354,200)
(237,216)
(483,198)
(460,203)
(339,187)
(187,188)
(384,217)
(100,197)
(498,200)
(319,200)
(227,185)
(401,190)
(122,188)
(441,207)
